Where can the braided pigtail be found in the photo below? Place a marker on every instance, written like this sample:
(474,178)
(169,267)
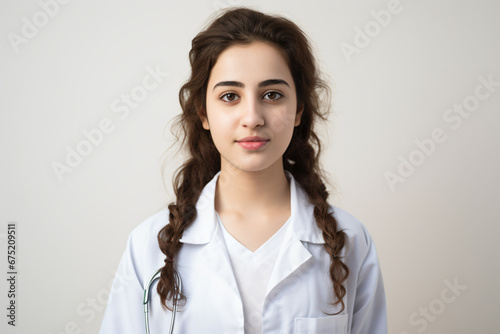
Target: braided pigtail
(335,239)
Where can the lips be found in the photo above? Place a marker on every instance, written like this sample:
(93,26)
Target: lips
(252,139)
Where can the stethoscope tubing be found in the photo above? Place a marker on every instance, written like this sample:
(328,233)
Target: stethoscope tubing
(155,276)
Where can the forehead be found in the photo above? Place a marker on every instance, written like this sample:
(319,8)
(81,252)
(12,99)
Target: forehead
(256,61)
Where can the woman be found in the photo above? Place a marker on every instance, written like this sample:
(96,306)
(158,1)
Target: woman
(251,244)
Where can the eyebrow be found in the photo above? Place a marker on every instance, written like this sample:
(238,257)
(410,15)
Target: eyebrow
(261,84)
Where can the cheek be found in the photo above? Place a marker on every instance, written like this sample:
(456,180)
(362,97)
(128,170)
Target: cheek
(282,122)
(217,121)
(221,129)
(220,123)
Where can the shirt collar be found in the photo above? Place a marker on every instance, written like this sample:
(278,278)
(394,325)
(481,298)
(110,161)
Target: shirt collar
(203,228)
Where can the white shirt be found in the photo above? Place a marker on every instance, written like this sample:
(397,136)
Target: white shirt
(252,271)
(299,290)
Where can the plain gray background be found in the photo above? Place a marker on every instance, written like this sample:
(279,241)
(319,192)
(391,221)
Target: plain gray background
(393,101)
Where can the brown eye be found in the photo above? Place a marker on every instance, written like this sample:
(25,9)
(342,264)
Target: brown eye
(228,97)
(273,95)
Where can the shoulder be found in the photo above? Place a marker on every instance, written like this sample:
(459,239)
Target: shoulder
(142,244)
(150,226)
(359,239)
(143,238)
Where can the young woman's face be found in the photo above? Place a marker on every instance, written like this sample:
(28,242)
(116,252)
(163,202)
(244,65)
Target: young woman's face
(251,93)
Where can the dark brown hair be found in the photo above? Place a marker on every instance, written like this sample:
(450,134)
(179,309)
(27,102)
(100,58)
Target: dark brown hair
(301,158)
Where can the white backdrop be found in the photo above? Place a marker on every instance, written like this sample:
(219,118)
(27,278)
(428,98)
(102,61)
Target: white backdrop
(412,146)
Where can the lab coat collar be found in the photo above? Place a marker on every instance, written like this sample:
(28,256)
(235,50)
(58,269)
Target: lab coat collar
(204,227)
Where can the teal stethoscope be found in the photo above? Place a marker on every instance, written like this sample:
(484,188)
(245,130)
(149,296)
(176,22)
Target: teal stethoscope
(153,278)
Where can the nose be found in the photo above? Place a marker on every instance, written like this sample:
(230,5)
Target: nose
(252,113)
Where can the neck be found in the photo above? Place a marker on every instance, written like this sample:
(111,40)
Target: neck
(250,194)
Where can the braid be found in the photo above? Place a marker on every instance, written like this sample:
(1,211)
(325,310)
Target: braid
(189,182)
(334,242)
(168,240)
(335,238)
(303,162)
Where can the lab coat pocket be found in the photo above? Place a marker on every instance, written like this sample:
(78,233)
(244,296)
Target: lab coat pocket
(336,324)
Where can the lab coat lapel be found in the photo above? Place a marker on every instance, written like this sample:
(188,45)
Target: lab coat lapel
(216,257)
(205,230)
(291,256)
(293,253)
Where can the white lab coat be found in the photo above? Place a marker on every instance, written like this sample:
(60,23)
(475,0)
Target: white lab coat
(299,290)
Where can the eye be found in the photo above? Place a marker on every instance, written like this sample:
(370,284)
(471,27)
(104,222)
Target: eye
(228,97)
(273,95)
